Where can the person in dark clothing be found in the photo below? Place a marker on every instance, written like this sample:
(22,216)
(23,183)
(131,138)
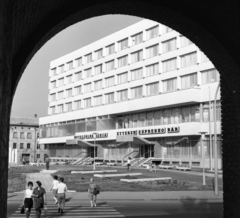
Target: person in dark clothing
(47,161)
(40,200)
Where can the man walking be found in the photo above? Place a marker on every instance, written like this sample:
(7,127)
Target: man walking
(128,163)
(61,195)
(47,161)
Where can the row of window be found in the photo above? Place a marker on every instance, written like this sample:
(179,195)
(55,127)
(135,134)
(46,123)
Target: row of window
(187,81)
(25,146)
(167,65)
(123,44)
(173,115)
(22,135)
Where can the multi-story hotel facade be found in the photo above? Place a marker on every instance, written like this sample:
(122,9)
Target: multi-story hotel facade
(144,90)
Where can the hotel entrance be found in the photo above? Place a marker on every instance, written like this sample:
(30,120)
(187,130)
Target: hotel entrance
(147,151)
(91,152)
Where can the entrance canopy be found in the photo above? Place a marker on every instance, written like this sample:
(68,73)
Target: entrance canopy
(79,142)
(134,139)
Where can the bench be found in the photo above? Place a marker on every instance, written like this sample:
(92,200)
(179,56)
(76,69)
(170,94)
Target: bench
(162,166)
(183,167)
(146,180)
(117,175)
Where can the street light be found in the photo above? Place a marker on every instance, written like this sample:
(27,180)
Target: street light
(203,165)
(94,136)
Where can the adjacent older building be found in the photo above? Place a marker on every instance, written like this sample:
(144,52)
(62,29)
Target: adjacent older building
(146,92)
(24,140)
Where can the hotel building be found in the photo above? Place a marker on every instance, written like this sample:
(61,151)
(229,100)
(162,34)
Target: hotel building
(146,91)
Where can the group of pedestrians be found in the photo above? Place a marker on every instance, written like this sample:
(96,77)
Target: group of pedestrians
(37,197)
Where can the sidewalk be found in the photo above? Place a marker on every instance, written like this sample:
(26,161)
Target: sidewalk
(139,196)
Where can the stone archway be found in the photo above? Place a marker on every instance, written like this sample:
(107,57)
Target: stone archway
(26,26)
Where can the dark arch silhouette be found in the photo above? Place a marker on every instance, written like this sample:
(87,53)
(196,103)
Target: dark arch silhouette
(25,26)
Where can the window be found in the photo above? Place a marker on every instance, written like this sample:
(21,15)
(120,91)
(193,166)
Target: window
(53,71)
(98,100)
(170,85)
(78,90)
(204,58)
(87,102)
(137,74)
(99,54)
(61,68)
(166,29)
(109,65)
(22,135)
(45,146)
(88,58)
(123,61)
(38,147)
(28,145)
(185,41)
(110,49)
(189,59)
(152,69)
(88,73)
(185,113)
(53,84)
(15,135)
(166,117)
(69,79)
(60,108)
(70,65)
(137,92)
(136,39)
(153,32)
(122,78)
(87,87)
(98,85)
(153,88)
(157,117)
(61,82)
(38,155)
(98,69)
(60,95)
(109,98)
(79,62)
(152,51)
(137,56)
(209,76)
(169,45)
(29,135)
(122,95)
(149,119)
(170,65)
(21,145)
(142,120)
(109,81)
(123,44)
(189,80)
(176,114)
(53,97)
(195,113)
(77,105)
(78,76)
(14,145)
(52,110)
(69,106)
(68,93)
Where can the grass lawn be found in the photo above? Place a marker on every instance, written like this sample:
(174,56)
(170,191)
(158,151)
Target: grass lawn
(17,178)
(80,182)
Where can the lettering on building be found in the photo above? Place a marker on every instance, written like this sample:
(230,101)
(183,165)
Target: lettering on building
(127,133)
(152,131)
(173,129)
(90,136)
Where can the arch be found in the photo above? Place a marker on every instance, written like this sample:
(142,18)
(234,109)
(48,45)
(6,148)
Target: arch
(34,22)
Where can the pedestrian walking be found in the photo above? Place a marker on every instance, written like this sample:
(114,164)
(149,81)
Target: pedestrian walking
(40,200)
(154,166)
(27,199)
(150,166)
(54,188)
(47,161)
(93,191)
(129,163)
(61,195)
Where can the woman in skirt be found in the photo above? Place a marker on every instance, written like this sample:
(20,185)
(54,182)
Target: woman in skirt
(27,200)
(40,199)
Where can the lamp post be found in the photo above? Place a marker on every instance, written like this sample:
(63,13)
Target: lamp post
(202,148)
(94,136)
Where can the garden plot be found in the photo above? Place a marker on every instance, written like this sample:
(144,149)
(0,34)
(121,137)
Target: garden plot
(96,171)
(116,175)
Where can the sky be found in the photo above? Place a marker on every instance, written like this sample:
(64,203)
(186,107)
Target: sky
(31,96)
